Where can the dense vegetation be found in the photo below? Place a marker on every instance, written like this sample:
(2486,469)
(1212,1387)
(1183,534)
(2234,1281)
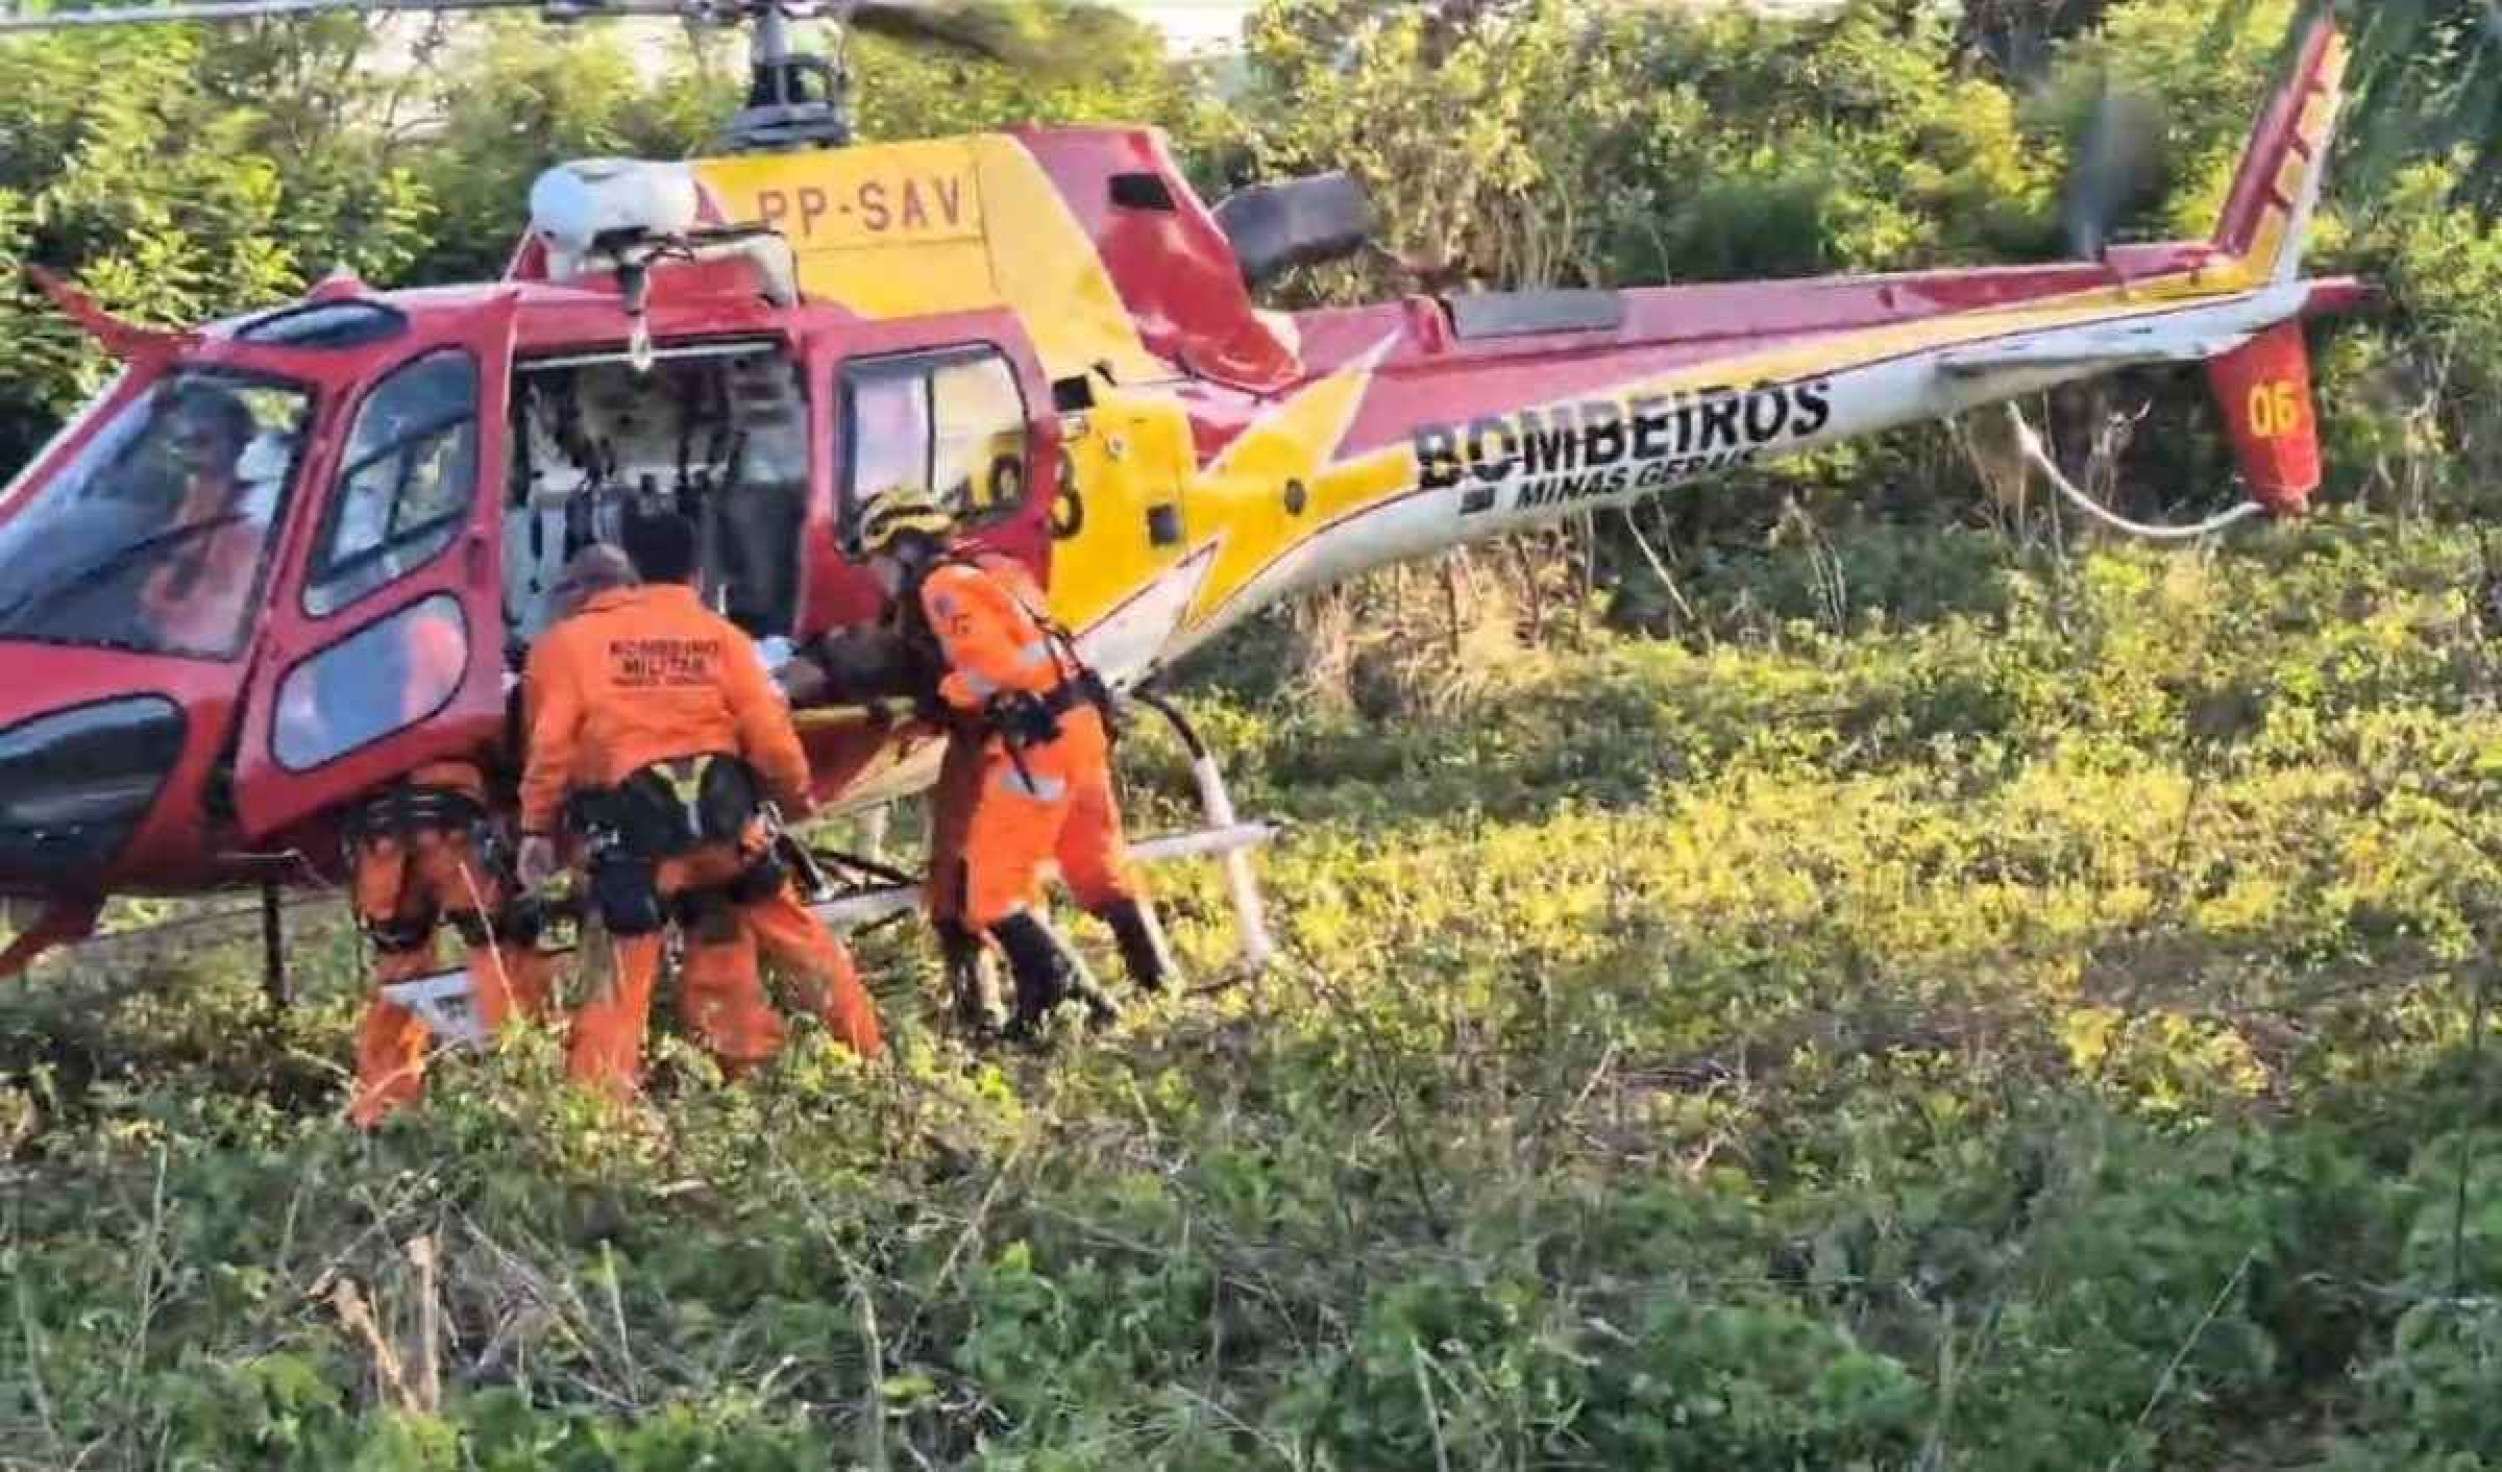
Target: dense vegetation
(1928,989)
(2025,1028)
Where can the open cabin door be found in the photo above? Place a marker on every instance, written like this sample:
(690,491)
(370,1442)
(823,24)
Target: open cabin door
(383,647)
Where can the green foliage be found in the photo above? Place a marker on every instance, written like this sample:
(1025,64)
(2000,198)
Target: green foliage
(2207,67)
(175,174)
(514,98)
(1557,143)
(1101,66)
(2021,1035)
(2426,82)
(1970,1000)
(2416,416)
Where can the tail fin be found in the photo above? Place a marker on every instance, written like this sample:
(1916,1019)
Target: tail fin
(2267,217)
(2264,388)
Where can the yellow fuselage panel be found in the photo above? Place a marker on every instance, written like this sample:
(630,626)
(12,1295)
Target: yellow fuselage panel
(1128,455)
(967,224)
(942,225)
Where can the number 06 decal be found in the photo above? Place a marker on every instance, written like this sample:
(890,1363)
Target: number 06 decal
(2275,410)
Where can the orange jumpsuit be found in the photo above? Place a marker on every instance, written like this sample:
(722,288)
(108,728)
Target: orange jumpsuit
(640,676)
(721,995)
(403,883)
(1049,801)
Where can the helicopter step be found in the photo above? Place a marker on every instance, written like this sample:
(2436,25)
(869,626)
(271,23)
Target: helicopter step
(443,1001)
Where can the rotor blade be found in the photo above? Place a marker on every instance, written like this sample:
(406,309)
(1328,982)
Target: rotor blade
(1057,39)
(2114,164)
(987,31)
(212,10)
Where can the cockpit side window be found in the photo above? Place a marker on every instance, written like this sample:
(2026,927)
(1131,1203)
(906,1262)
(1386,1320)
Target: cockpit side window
(155,535)
(406,483)
(951,423)
(386,677)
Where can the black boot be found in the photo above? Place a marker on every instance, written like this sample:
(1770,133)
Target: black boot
(972,981)
(1046,974)
(1141,938)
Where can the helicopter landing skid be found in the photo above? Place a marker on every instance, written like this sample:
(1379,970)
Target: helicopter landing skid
(867,893)
(442,999)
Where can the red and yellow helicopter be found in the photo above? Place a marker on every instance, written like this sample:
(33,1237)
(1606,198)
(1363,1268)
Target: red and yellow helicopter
(210,575)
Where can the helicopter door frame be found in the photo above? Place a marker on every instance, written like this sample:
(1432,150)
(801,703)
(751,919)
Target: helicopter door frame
(314,737)
(1025,535)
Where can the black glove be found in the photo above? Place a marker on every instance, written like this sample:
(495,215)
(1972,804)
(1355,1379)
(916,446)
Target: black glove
(1022,718)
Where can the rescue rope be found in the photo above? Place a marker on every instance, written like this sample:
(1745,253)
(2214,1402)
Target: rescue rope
(2035,453)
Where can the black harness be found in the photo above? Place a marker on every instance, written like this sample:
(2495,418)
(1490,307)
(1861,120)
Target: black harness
(672,806)
(409,809)
(668,808)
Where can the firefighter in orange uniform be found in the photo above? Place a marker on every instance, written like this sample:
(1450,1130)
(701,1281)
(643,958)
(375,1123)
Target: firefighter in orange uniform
(721,998)
(1028,772)
(655,712)
(414,861)
(879,666)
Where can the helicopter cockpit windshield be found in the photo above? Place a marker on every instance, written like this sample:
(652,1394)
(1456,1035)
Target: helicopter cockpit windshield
(154,536)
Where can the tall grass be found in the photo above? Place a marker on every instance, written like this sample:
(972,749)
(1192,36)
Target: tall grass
(2027,1028)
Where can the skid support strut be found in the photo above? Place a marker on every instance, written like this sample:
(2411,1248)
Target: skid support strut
(1250,914)
(274,981)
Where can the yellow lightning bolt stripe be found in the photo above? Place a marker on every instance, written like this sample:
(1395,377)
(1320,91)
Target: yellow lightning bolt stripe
(1007,238)
(1243,490)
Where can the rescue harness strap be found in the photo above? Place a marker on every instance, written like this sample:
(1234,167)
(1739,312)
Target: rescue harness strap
(669,806)
(402,810)
(665,809)
(1023,719)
